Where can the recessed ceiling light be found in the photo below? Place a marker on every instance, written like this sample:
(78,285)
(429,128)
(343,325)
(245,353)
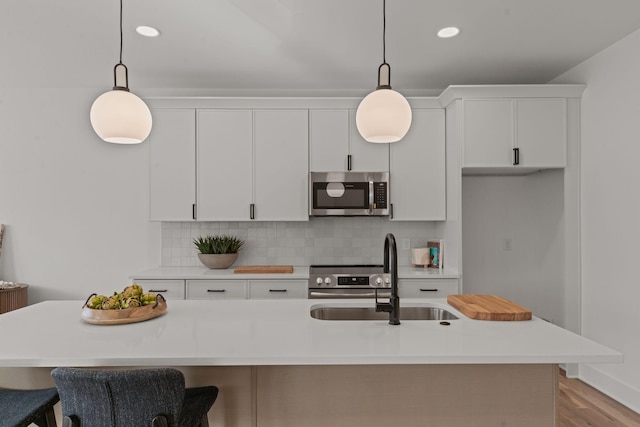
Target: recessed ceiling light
(448,32)
(146,31)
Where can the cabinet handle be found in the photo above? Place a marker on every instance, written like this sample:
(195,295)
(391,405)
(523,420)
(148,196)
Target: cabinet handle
(391,211)
(278,290)
(516,156)
(252,211)
(193,211)
(157,290)
(348,162)
(428,290)
(217,290)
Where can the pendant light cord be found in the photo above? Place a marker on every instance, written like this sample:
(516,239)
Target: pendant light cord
(120,32)
(117,86)
(384,31)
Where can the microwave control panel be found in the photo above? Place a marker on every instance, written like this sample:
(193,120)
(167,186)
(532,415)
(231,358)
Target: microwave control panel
(380,195)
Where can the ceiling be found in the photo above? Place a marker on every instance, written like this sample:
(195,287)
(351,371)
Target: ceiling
(303,46)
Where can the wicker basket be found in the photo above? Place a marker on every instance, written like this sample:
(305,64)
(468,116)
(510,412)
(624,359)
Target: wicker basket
(14,298)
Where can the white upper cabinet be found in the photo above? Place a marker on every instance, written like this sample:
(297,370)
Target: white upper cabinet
(225,170)
(528,133)
(328,140)
(417,169)
(541,132)
(366,156)
(336,145)
(172,174)
(281,165)
(488,132)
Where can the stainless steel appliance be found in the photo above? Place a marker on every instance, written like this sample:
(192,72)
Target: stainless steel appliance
(348,281)
(349,194)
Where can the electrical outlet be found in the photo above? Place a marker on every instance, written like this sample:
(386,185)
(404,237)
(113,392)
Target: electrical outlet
(406,244)
(507,244)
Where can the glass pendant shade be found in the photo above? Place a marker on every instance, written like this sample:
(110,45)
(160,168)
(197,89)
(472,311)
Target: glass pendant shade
(120,117)
(383,116)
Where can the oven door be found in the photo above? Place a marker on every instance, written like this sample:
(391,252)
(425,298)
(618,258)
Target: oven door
(346,293)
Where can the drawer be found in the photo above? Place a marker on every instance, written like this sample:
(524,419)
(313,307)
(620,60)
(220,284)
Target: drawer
(216,289)
(278,289)
(170,289)
(427,288)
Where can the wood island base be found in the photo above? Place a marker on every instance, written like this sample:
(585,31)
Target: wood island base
(367,395)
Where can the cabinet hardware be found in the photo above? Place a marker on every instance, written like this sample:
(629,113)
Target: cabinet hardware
(348,162)
(216,290)
(391,211)
(157,290)
(516,156)
(193,211)
(278,290)
(428,290)
(252,211)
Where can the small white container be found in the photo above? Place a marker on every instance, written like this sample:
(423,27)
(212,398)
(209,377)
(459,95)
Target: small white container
(420,257)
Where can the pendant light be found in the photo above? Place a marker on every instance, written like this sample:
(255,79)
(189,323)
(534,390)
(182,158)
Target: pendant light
(119,116)
(384,115)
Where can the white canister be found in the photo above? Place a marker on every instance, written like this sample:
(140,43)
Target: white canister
(420,257)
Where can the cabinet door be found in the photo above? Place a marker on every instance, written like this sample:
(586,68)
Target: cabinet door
(427,288)
(225,172)
(366,156)
(417,169)
(277,289)
(488,132)
(216,289)
(328,140)
(170,289)
(541,132)
(172,167)
(281,158)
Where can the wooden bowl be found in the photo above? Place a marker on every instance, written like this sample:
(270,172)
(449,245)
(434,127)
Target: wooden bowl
(125,315)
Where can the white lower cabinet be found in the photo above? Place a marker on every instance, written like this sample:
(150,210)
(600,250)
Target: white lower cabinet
(277,289)
(427,288)
(216,289)
(170,289)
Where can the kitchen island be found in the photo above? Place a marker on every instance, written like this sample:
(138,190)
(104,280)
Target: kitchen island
(277,366)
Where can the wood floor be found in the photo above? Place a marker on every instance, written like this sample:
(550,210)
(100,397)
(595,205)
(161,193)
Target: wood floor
(580,405)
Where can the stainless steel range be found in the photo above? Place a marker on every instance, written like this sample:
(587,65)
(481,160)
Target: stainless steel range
(348,281)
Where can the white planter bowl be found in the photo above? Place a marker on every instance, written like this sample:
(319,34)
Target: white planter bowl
(218,260)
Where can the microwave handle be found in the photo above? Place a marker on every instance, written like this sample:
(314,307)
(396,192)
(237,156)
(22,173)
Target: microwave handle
(371,197)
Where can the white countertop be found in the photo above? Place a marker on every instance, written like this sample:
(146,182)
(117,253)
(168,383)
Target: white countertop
(272,332)
(299,272)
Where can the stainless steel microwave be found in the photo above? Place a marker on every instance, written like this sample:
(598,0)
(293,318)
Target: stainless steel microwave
(349,194)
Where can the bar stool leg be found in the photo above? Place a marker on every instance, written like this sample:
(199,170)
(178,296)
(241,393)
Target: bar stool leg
(48,419)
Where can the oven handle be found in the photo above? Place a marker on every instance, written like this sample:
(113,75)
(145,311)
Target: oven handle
(344,295)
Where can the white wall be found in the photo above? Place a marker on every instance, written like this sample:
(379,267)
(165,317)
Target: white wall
(526,211)
(75,207)
(610,155)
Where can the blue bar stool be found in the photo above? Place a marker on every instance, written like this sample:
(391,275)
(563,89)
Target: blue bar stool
(131,398)
(20,408)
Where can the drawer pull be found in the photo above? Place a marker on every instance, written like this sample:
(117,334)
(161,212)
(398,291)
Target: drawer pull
(158,290)
(428,290)
(277,290)
(216,290)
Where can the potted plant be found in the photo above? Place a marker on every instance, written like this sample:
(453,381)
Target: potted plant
(218,251)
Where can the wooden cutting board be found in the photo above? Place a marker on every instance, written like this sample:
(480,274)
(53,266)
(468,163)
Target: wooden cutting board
(488,307)
(261,269)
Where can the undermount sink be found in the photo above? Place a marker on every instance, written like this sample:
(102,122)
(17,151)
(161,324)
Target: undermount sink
(327,312)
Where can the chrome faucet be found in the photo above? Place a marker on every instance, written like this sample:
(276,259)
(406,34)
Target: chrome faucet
(391,267)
